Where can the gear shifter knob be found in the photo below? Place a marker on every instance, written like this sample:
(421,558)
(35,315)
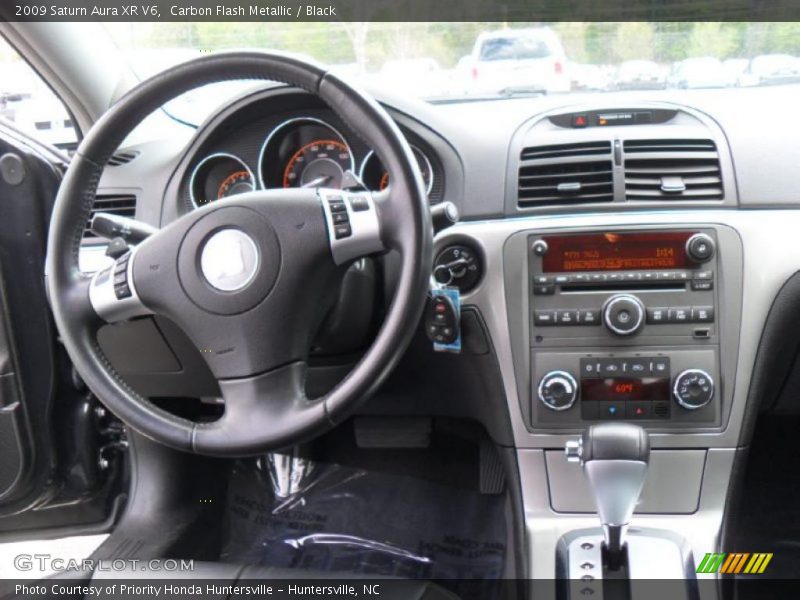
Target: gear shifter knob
(614,457)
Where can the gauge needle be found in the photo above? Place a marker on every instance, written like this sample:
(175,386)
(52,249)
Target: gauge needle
(316,182)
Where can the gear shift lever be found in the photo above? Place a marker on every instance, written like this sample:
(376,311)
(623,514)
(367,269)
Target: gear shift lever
(614,459)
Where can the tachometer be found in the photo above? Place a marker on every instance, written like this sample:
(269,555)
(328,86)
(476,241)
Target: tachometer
(304,152)
(374,176)
(218,176)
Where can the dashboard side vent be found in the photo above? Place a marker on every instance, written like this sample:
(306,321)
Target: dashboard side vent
(681,169)
(566,174)
(122,157)
(123,205)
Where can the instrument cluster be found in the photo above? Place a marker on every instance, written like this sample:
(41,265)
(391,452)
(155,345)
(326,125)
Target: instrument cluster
(299,152)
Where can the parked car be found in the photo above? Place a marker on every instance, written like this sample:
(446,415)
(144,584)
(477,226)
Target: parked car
(639,75)
(705,72)
(585,77)
(774,69)
(734,69)
(519,58)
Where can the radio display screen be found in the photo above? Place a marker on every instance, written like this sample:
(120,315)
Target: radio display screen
(616,251)
(619,389)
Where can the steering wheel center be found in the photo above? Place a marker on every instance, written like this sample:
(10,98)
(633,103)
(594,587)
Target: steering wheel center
(229,260)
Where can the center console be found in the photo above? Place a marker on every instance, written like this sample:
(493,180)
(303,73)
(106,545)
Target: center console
(623,326)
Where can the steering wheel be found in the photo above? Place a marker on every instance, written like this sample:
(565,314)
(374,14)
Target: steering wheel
(248,278)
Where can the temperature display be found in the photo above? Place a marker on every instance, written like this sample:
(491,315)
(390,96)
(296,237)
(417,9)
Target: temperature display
(620,389)
(616,252)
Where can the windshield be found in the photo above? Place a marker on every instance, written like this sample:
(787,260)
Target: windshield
(459,61)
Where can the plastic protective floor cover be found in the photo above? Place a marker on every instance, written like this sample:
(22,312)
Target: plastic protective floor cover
(345,519)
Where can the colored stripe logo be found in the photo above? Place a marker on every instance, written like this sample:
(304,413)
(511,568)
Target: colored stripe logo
(734,562)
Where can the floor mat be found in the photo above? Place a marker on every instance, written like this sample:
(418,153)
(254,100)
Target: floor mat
(365,522)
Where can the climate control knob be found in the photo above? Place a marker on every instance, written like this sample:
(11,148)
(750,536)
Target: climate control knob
(693,389)
(623,314)
(558,390)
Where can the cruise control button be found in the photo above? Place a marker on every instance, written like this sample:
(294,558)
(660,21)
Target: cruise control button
(339,218)
(544,317)
(342,231)
(702,314)
(336,206)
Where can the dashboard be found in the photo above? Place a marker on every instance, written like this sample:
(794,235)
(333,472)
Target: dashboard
(620,256)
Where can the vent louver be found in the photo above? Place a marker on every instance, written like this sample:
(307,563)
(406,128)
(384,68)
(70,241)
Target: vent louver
(683,169)
(123,205)
(566,174)
(122,157)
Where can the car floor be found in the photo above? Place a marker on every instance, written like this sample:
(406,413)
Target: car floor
(412,513)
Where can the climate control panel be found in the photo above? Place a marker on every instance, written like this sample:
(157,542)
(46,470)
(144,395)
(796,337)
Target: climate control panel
(667,388)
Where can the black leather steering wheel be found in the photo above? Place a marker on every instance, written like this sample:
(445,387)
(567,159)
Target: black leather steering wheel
(248,278)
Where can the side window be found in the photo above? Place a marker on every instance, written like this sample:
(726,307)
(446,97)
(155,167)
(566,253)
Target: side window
(30,104)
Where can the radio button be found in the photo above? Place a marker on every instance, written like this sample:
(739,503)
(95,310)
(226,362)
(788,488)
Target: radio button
(589,317)
(599,277)
(580,278)
(567,317)
(623,314)
(679,314)
(632,276)
(700,247)
(699,285)
(544,290)
(649,276)
(562,279)
(682,275)
(703,275)
(615,277)
(544,318)
(657,315)
(542,279)
(702,314)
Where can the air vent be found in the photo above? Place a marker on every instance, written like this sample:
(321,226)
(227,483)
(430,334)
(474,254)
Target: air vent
(121,158)
(122,205)
(546,178)
(566,150)
(685,169)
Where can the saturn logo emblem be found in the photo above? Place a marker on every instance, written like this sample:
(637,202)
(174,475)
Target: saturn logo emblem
(229,260)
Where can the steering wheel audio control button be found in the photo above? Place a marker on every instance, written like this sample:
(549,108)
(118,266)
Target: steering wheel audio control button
(353,226)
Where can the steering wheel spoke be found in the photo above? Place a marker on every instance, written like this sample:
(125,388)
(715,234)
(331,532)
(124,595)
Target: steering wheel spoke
(272,403)
(112,291)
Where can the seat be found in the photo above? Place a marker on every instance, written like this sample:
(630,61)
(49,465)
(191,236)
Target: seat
(223,576)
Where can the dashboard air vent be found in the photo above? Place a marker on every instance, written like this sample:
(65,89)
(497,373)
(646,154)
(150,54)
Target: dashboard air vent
(123,205)
(122,157)
(566,174)
(685,169)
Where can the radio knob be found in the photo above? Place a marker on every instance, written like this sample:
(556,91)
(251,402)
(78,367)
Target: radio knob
(558,390)
(700,248)
(623,314)
(693,389)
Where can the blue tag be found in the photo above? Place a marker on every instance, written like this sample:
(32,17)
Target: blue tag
(455,297)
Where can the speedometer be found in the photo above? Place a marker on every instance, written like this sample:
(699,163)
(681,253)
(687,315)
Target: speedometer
(304,152)
(320,163)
